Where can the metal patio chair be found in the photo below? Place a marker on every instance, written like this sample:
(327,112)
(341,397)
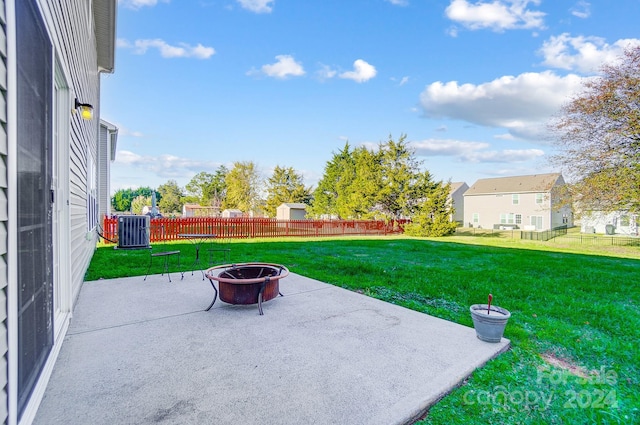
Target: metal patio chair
(160,250)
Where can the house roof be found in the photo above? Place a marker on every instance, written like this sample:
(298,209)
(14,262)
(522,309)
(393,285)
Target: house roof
(294,205)
(104,17)
(454,187)
(516,184)
(113,134)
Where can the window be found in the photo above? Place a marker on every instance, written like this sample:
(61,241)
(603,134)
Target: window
(518,218)
(515,199)
(539,198)
(476,219)
(508,218)
(624,221)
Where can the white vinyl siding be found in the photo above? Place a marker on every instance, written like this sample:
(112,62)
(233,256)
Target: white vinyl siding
(76,50)
(489,198)
(71,30)
(92,192)
(4,216)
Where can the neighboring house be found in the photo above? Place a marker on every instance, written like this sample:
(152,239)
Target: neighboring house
(231,213)
(613,223)
(291,211)
(107,141)
(456,195)
(51,180)
(523,202)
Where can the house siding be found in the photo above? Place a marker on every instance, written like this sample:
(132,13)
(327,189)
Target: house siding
(487,199)
(457,201)
(71,30)
(75,42)
(106,138)
(624,223)
(489,207)
(4,217)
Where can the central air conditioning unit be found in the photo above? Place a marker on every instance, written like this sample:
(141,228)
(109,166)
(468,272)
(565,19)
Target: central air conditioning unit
(133,231)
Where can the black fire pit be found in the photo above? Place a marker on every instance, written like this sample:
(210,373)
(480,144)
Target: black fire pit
(246,283)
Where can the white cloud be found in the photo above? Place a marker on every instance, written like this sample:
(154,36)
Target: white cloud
(257,6)
(326,72)
(522,105)
(362,71)
(137,4)
(166,166)
(505,156)
(497,15)
(583,54)
(399,2)
(474,152)
(582,9)
(286,66)
(182,50)
(446,147)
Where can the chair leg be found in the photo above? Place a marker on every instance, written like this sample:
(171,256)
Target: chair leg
(148,268)
(166,267)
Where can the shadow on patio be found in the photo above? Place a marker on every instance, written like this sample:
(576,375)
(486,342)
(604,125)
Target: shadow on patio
(145,352)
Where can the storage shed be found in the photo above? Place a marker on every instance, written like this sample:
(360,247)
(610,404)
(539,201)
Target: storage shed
(291,211)
(231,213)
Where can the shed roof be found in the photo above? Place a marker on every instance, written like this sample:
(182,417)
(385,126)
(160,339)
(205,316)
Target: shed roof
(516,184)
(293,205)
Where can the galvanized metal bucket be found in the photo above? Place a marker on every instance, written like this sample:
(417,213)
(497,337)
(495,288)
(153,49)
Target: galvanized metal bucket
(489,326)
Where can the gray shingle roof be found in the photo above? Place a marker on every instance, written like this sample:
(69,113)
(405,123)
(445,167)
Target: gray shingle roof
(515,184)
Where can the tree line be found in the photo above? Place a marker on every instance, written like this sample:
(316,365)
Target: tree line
(358,183)
(597,136)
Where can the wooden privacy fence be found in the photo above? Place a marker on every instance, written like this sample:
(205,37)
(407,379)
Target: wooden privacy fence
(167,229)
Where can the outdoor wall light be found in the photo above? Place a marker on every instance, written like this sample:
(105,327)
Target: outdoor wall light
(86,110)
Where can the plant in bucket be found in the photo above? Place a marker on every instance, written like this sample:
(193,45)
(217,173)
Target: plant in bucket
(489,321)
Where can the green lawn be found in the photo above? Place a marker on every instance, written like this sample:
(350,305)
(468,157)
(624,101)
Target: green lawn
(574,329)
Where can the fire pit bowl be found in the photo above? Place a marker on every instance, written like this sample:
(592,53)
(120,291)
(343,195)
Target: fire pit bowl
(246,283)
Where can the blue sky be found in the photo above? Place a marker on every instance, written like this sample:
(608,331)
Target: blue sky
(472,84)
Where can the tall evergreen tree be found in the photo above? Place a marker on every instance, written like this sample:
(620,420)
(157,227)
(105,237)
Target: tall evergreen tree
(172,194)
(284,185)
(325,196)
(400,169)
(432,217)
(361,195)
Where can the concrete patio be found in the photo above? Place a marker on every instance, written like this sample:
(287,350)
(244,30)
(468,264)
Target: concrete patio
(145,353)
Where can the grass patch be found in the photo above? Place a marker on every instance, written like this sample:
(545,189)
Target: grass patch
(574,328)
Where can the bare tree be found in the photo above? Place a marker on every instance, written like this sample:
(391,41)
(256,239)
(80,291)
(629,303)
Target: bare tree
(599,138)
